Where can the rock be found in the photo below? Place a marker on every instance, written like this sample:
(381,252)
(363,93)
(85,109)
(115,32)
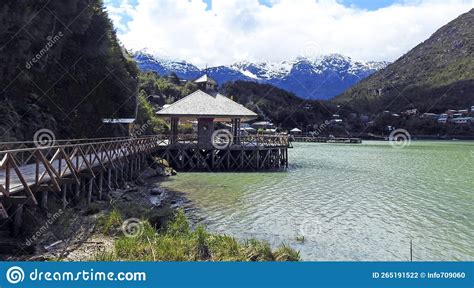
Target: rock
(155,191)
(140,181)
(148,172)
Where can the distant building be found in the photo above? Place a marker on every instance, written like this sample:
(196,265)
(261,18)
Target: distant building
(206,83)
(295,131)
(429,116)
(262,125)
(410,112)
(125,125)
(463,120)
(336,121)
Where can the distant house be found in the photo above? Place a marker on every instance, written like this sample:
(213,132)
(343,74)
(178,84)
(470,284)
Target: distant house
(429,116)
(295,131)
(443,119)
(336,121)
(206,83)
(472,109)
(262,125)
(125,125)
(463,120)
(409,112)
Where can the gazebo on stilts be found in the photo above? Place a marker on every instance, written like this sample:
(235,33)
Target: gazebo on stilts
(218,149)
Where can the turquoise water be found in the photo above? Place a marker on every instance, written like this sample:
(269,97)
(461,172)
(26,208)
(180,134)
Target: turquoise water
(349,202)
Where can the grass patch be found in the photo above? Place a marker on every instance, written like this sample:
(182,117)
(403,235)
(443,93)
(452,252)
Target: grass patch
(176,241)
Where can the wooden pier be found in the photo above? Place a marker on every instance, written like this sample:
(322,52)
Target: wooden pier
(249,153)
(325,139)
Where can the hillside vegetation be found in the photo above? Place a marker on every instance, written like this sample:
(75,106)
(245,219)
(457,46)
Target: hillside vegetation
(61,68)
(282,107)
(435,75)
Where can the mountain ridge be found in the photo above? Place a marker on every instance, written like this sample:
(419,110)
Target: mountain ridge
(313,78)
(436,74)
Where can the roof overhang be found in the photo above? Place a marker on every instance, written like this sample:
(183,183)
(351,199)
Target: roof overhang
(217,118)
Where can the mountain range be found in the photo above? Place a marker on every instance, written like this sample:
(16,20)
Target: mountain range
(310,78)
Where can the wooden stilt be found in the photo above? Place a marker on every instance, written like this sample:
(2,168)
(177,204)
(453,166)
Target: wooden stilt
(89,191)
(101,184)
(17,219)
(64,196)
(44,199)
(109,179)
(77,193)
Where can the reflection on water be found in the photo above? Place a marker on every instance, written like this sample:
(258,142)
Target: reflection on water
(350,202)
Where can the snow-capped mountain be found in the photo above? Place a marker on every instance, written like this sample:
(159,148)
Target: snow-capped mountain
(319,78)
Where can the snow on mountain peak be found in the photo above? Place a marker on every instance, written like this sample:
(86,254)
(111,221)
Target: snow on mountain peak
(286,74)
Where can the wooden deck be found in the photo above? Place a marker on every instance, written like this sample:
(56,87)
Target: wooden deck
(325,139)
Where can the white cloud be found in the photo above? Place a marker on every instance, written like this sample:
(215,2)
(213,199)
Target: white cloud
(246,30)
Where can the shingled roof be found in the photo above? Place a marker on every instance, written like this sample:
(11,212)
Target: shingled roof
(205,78)
(203,105)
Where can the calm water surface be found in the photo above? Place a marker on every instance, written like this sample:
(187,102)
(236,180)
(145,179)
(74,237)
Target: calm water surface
(350,202)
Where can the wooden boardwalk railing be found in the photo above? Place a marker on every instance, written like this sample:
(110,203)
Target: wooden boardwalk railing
(20,169)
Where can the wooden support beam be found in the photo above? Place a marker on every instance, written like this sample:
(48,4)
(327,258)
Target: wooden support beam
(89,191)
(77,192)
(64,195)
(17,219)
(101,184)
(44,199)
(109,179)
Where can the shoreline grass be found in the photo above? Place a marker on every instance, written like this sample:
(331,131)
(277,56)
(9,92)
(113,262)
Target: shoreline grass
(176,241)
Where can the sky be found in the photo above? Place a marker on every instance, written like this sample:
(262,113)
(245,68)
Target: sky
(222,32)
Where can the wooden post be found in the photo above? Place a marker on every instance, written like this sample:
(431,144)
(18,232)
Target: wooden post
(109,179)
(101,183)
(89,191)
(116,176)
(64,196)
(77,192)
(44,199)
(17,219)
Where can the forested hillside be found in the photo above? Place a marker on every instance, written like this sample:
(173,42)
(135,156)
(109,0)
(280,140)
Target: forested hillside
(436,75)
(61,68)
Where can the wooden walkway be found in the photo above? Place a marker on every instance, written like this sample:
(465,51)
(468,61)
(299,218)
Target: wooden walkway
(82,169)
